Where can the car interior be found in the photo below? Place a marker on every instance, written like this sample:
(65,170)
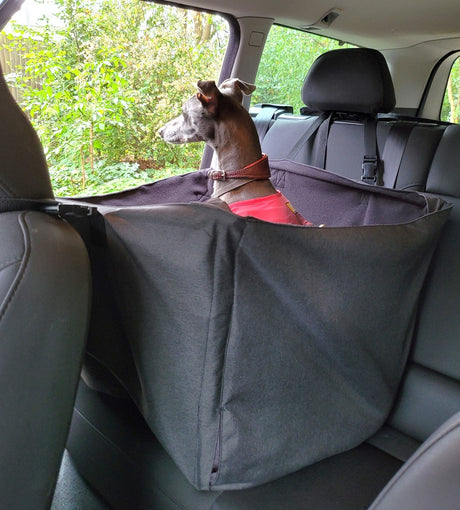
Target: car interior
(126,383)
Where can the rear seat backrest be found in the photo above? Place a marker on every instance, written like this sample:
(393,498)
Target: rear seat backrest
(430,393)
(361,87)
(356,82)
(431,390)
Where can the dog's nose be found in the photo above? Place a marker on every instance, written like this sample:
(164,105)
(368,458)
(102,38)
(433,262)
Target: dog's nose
(161,131)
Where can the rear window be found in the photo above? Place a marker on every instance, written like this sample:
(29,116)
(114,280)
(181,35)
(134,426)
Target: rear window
(98,79)
(450,111)
(287,56)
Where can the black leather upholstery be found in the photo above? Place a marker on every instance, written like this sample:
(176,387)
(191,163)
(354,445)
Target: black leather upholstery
(349,80)
(24,172)
(44,303)
(430,478)
(356,84)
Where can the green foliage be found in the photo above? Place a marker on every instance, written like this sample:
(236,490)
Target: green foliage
(99,84)
(282,71)
(450,111)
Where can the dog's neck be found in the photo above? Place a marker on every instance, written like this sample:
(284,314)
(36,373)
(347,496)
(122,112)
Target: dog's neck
(237,146)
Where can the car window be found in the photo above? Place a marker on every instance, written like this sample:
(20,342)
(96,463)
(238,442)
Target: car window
(287,56)
(450,111)
(98,79)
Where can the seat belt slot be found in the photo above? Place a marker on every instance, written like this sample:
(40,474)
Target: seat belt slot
(67,211)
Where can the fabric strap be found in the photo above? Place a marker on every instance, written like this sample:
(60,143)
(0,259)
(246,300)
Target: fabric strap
(319,155)
(306,135)
(393,151)
(263,119)
(370,166)
(267,113)
(8,204)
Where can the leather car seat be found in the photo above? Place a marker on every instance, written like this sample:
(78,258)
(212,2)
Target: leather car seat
(430,478)
(44,308)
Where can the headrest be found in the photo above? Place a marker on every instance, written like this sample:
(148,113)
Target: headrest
(23,168)
(353,80)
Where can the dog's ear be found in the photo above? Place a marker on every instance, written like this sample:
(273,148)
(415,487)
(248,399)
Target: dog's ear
(236,88)
(208,95)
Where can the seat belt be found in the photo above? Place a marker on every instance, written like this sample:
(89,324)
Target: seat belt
(9,204)
(306,135)
(394,149)
(370,164)
(267,113)
(319,154)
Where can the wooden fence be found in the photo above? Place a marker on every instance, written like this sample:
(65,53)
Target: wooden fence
(12,62)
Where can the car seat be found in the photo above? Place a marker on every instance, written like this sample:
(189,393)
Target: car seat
(44,309)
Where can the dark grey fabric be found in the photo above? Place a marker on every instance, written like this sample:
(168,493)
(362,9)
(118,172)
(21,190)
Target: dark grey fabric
(430,478)
(108,431)
(194,186)
(349,80)
(235,324)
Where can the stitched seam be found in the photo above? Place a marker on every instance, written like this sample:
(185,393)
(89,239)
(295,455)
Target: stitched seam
(221,407)
(197,470)
(10,262)
(22,269)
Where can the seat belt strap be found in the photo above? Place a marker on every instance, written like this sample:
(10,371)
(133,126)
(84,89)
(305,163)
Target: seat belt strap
(263,119)
(315,123)
(319,155)
(9,204)
(267,113)
(370,166)
(393,151)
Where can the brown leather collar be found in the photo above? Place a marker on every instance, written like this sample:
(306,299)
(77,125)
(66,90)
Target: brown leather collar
(258,170)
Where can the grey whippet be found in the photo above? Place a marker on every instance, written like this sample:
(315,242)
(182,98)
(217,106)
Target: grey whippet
(215,115)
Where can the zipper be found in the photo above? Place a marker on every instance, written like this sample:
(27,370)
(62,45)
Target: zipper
(217,452)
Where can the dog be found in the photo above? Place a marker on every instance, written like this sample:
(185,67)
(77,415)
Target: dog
(215,115)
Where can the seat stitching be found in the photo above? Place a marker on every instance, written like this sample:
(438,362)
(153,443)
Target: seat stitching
(22,269)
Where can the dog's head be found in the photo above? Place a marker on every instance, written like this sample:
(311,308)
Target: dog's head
(201,112)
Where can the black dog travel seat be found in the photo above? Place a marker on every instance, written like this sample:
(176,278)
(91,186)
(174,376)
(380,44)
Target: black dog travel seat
(153,474)
(227,326)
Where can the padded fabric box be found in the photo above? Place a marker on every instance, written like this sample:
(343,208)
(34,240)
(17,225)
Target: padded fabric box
(258,348)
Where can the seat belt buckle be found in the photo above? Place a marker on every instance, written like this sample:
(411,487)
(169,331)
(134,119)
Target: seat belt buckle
(369,166)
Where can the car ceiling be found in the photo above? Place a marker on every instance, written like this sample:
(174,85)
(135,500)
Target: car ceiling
(383,24)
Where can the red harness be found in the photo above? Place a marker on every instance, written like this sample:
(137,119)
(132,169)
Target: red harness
(275,208)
